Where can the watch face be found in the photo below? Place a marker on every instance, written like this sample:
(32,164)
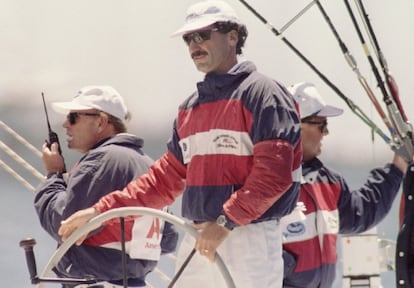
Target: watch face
(224,222)
(221,220)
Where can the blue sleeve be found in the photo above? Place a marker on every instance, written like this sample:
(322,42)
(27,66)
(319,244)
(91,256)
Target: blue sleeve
(364,208)
(56,199)
(96,175)
(49,202)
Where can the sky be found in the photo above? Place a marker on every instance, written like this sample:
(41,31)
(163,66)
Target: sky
(57,47)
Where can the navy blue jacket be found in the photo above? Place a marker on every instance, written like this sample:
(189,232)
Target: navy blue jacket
(108,166)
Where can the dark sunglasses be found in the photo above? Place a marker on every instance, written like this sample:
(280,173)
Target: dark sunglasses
(73,116)
(199,36)
(323,125)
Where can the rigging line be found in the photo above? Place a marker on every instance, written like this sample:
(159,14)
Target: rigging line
(371,37)
(370,32)
(368,53)
(295,18)
(404,138)
(354,108)
(353,64)
(20,138)
(21,161)
(17,176)
(391,83)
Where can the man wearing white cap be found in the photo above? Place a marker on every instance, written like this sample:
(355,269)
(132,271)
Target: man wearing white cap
(332,208)
(236,143)
(95,126)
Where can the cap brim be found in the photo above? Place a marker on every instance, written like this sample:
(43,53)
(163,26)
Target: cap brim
(65,107)
(194,26)
(330,111)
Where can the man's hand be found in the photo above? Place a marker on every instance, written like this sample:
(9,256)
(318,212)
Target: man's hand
(52,160)
(400,162)
(75,221)
(210,238)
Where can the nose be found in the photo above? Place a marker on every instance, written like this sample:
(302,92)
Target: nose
(66,124)
(192,43)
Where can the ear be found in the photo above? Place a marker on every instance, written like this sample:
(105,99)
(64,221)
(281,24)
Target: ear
(234,37)
(103,122)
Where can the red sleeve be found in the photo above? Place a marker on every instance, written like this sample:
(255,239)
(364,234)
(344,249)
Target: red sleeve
(163,182)
(270,178)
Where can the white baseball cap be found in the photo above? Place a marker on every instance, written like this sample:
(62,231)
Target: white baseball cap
(103,98)
(311,102)
(206,13)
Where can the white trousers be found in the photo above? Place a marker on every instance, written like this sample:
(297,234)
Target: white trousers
(251,253)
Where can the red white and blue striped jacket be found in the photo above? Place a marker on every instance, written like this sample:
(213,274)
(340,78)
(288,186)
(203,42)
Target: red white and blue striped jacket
(310,252)
(235,149)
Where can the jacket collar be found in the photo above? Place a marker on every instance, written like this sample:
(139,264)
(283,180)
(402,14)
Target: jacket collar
(215,83)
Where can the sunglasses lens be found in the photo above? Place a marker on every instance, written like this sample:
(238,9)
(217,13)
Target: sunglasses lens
(187,39)
(71,117)
(197,37)
(324,126)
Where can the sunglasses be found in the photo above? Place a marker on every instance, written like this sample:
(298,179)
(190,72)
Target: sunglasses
(73,116)
(199,36)
(323,125)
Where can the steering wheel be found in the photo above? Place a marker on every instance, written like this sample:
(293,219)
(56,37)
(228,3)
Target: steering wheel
(122,212)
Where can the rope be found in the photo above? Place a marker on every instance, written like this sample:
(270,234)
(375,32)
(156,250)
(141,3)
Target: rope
(21,161)
(297,16)
(20,139)
(354,108)
(354,66)
(16,175)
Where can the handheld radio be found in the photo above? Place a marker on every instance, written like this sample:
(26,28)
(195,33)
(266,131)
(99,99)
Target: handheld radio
(53,137)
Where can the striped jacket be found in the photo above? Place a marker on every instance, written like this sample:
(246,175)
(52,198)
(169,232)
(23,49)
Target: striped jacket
(236,143)
(332,208)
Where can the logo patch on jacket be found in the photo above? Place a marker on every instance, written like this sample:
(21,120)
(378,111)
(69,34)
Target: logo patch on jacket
(184,147)
(226,141)
(294,229)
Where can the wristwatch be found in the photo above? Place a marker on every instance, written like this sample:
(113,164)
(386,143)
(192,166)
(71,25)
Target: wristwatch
(223,221)
(58,174)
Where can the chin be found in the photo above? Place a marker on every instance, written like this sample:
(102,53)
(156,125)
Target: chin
(202,69)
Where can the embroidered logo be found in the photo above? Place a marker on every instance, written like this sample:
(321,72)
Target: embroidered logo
(196,15)
(294,229)
(333,222)
(184,147)
(226,141)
